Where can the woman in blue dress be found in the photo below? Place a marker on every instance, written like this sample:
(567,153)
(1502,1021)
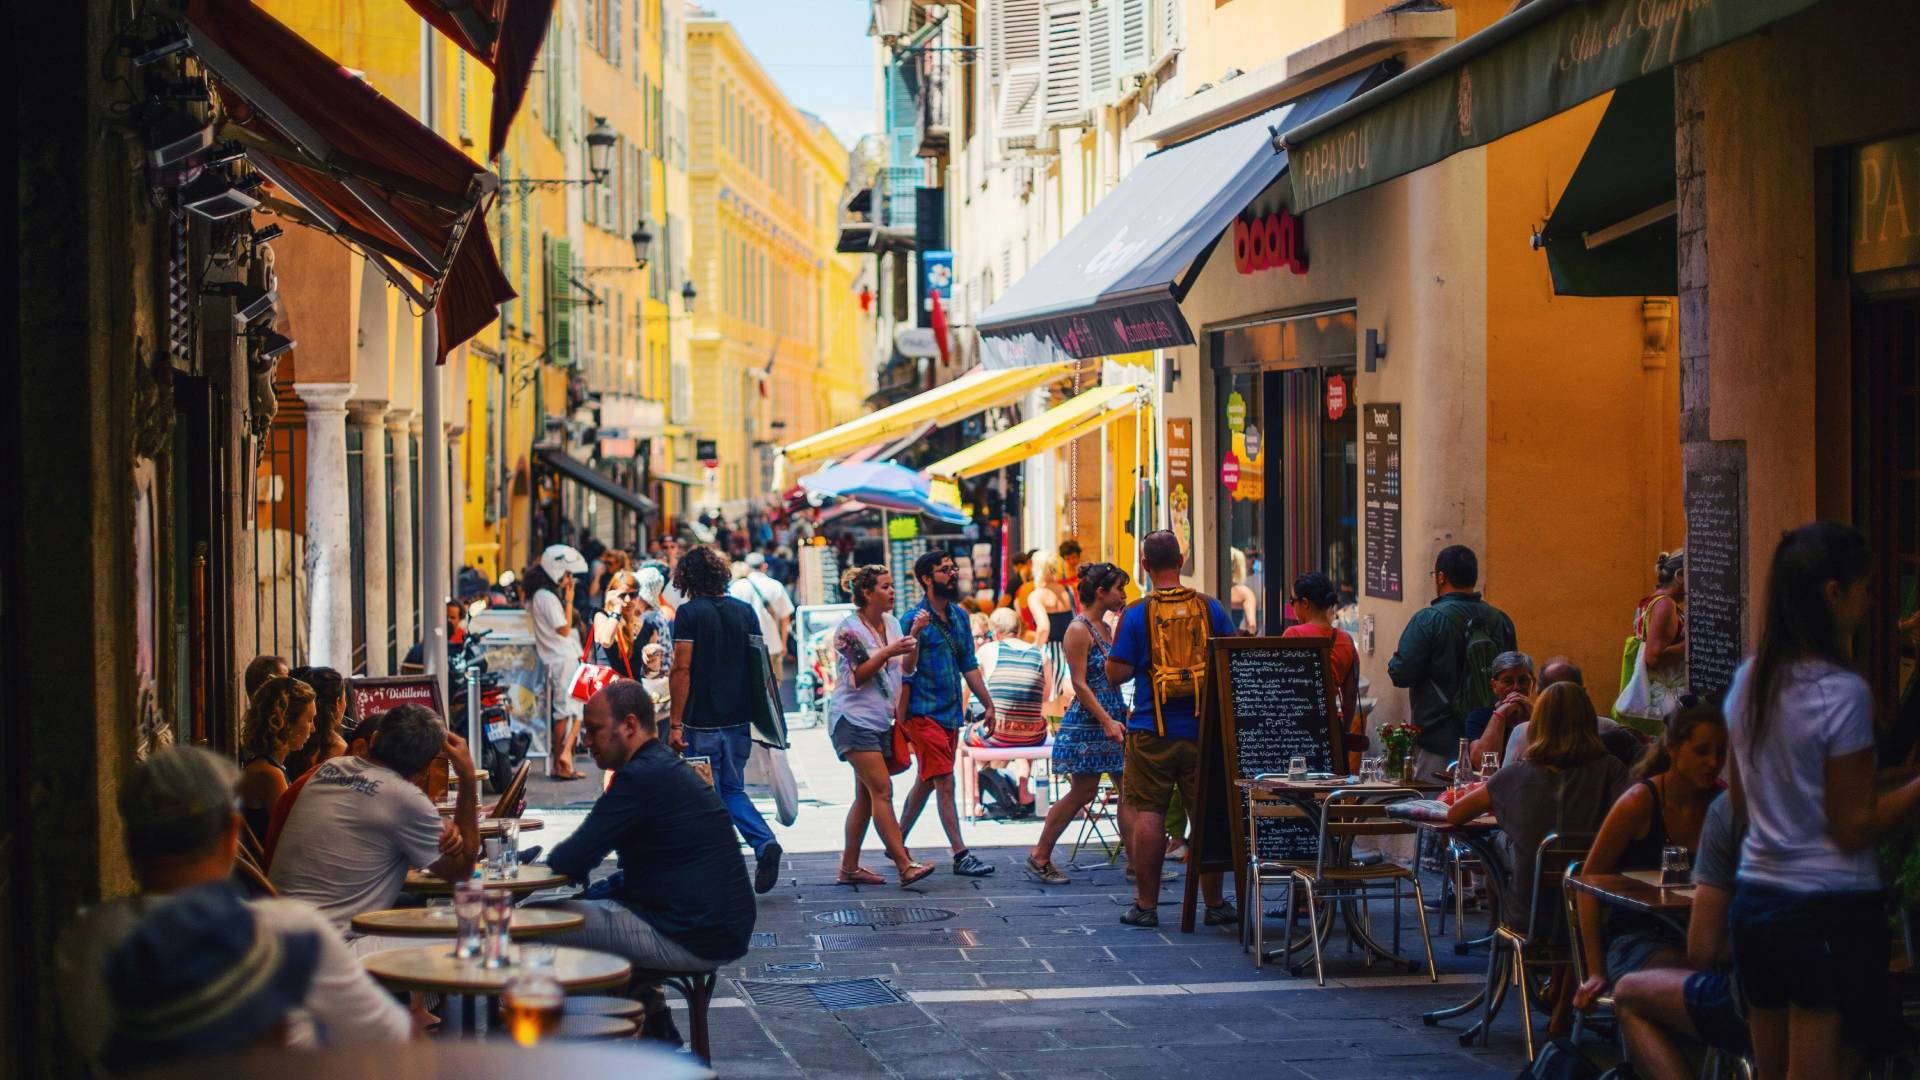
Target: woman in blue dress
(1091,734)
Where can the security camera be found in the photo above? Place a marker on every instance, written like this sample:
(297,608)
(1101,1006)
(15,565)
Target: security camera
(215,197)
(250,302)
(175,136)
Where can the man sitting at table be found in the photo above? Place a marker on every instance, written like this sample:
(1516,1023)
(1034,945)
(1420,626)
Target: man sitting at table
(363,822)
(680,900)
(1660,1006)
(182,834)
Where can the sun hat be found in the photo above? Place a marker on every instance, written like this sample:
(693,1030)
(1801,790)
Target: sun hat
(199,977)
(755,560)
(560,559)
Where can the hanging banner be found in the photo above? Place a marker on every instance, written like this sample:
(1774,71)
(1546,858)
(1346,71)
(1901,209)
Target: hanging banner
(1180,486)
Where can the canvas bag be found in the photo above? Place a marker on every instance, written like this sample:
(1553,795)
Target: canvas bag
(1178,627)
(590,678)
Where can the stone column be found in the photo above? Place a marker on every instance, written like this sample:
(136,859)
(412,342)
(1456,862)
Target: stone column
(456,499)
(329,558)
(399,430)
(369,417)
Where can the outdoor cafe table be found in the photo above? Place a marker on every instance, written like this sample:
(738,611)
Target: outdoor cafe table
(491,826)
(528,922)
(433,969)
(1477,836)
(1310,797)
(1638,890)
(526,879)
(436,1059)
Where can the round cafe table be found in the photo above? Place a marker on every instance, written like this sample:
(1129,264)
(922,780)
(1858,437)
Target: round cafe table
(444,1059)
(528,922)
(434,969)
(491,826)
(525,879)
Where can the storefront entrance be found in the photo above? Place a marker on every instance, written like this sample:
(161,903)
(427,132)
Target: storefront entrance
(1888,506)
(1288,461)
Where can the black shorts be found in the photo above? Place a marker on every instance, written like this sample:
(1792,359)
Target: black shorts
(1715,1014)
(1822,952)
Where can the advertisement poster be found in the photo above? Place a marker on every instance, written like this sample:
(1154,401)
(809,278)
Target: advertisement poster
(1180,486)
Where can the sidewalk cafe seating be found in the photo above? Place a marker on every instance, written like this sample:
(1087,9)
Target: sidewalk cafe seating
(1543,944)
(1264,806)
(1602,1008)
(1095,818)
(1347,815)
(513,796)
(697,987)
(972,757)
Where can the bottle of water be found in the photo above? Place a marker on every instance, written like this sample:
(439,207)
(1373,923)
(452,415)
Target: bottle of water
(1042,795)
(1463,764)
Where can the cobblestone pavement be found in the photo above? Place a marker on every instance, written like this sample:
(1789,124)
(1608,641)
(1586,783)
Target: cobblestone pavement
(1025,981)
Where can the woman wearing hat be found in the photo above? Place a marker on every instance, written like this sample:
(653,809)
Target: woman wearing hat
(549,586)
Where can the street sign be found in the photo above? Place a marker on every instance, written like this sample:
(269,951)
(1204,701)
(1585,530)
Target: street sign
(708,451)
(916,342)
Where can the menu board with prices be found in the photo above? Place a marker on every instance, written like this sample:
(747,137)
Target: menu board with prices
(1380,473)
(1716,566)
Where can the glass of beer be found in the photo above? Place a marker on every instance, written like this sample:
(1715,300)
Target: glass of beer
(533,1003)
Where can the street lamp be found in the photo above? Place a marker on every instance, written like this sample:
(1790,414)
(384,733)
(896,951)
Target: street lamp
(890,19)
(600,143)
(642,241)
(687,296)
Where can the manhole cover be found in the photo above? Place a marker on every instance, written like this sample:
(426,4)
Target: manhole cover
(783,969)
(764,939)
(883,916)
(832,996)
(952,939)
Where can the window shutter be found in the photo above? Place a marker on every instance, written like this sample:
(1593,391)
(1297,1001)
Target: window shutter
(1064,97)
(559,309)
(1016,35)
(505,231)
(1098,34)
(1018,120)
(526,241)
(1170,27)
(613,32)
(1132,37)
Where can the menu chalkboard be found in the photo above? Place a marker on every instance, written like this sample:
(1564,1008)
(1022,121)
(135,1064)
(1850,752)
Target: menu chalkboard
(1716,569)
(1275,702)
(1380,471)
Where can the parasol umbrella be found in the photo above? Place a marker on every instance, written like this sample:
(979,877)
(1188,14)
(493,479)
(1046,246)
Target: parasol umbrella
(885,485)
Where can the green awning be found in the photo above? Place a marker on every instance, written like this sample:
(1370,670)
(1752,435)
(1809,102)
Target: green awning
(1613,231)
(1537,61)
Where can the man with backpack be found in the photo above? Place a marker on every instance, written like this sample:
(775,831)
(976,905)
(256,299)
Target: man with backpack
(1445,657)
(1162,647)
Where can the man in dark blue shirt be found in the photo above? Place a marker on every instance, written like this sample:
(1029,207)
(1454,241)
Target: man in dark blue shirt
(680,900)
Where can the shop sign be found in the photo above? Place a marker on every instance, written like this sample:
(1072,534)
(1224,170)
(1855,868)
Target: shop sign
(1269,243)
(1336,397)
(1180,486)
(1251,440)
(1886,204)
(708,451)
(1236,413)
(903,527)
(1230,471)
(1380,476)
(916,342)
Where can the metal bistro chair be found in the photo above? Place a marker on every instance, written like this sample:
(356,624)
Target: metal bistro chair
(1602,1009)
(1344,816)
(1264,807)
(514,795)
(1544,943)
(1093,816)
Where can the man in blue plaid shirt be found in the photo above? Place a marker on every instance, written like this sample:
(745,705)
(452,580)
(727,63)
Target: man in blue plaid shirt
(937,700)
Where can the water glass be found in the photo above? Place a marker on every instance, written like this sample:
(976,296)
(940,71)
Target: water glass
(1489,764)
(510,846)
(496,859)
(469,901)
(1676,866)
(499,928)
(1297,768)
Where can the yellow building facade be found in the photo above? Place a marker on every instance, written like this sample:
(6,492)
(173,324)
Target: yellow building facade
(776,354)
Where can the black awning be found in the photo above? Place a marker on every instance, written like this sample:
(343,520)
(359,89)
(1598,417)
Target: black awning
(1613,232)
(584,475)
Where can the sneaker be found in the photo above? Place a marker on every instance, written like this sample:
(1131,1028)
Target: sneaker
(766,868)
(1224,915)
(967,864)
(1046,872)
(1139,916)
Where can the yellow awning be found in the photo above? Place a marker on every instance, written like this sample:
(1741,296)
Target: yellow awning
(957,400)
(1063,423)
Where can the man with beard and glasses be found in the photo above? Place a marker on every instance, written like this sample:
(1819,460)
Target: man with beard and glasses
(937,700)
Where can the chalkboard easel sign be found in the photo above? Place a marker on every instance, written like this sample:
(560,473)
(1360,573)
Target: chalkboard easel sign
(1271,699)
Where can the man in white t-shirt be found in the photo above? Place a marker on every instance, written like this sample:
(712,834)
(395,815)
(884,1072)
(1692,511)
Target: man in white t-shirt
(183,833)
(768,599)
(361,823)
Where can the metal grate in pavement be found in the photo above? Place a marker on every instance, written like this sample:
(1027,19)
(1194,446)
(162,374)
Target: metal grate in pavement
(832,996)
(951,939)
(766,939)
(787,969)
(883,916)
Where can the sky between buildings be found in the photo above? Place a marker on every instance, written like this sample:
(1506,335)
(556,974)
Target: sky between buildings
(817,50)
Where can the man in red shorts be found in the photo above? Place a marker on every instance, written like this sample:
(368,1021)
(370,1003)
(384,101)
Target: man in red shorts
(937,700)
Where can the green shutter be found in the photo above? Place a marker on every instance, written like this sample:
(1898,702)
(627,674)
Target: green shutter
(559,303)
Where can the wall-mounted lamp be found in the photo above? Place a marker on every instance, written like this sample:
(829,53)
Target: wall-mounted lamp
(688,294)
(642,243)
(1373,351)
(1656,322)
(1169,371)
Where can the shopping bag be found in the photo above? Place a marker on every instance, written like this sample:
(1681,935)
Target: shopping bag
(1635,698)
(764,713)
(590,679)
(769,765)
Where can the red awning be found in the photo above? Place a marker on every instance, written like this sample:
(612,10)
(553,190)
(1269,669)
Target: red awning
(505,35)
(355,164)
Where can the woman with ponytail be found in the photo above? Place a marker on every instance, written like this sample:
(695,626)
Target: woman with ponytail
(279,720)
(1677,778)
(1810,944)
(872,659)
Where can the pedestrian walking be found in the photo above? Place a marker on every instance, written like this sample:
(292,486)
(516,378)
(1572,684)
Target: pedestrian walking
(1161,646)
(872,659)
(1654,674)
(1092,733)
(770,603)
(549,586)
(936,698)
(1445,657)
(710,643)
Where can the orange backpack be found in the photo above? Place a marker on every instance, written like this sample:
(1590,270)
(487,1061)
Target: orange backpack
(1178,627)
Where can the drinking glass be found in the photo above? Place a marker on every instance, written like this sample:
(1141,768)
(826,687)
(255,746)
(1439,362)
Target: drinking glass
(533,1002)
(510,846)
(1489,764)
(468,907)
(499,934)
(1676,866)
(496,862)
(1297,768)
(538,956)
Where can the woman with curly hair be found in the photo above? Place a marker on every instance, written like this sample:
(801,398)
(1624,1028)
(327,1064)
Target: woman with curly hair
(329,716)
(279,721)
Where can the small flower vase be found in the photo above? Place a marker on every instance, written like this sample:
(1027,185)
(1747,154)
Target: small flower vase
(1399,761)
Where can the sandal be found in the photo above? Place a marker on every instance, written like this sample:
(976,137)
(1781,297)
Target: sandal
(860,875)
(914,872)
(1046,872)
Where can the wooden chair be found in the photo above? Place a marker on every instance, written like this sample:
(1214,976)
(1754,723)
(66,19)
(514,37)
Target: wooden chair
(508,804)
(250,876)
(1544,942)
(1263,807)
(697,987)
(578,1027)
(600,1005)
(1347,815)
